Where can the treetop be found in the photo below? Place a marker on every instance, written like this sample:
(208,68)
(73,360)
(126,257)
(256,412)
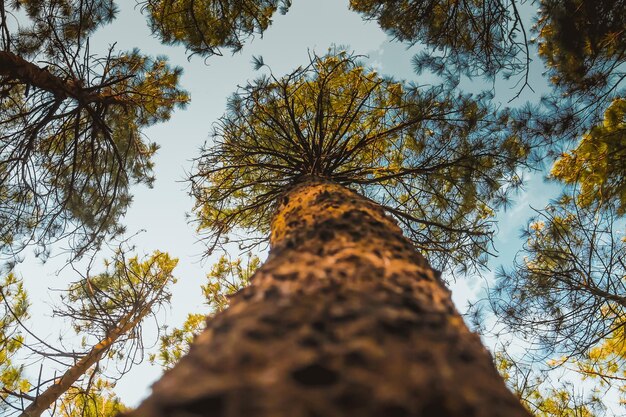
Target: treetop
(440,161)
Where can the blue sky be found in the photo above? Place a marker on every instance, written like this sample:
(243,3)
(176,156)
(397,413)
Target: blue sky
(310,25)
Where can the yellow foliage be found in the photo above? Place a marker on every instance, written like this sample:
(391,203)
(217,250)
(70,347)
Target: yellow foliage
(598,164)
(13,309)
(607,360)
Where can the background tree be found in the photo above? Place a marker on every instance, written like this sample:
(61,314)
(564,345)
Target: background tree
(14,308)
(344,297)
(583,43)
(225,279)
(98,401)
(597,166)
(540,395)
(206,26)
(475,38)
(571,273)
(481,38)
(566,294)
(71,131)
(606,361)
(106,310)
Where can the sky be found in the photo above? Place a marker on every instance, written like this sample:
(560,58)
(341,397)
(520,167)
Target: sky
(160,215)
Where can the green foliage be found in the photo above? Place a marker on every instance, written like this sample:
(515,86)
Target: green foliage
(475,37)
(582,41)
(174,343)
(106,310)
(583,44)
(440,162)
(566,292)
(129,290)
(71,134)
(540,397)
(225,279)
(606,361)
(598,164)
(479,38)
(98,401)
(205,26)
(74,20)
(14,310)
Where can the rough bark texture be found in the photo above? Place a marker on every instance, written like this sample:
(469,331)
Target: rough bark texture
(344,319)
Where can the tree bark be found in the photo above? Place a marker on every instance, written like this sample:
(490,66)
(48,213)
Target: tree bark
(45,400)
(344,319)
(16,68)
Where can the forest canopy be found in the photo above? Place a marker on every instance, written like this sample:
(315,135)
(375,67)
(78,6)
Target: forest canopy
(445,158)
(71,142)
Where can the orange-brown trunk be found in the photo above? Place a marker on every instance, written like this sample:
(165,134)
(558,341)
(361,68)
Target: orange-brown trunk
(344,319)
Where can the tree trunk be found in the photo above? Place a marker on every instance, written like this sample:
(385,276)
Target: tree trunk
(344,319)
(45,400)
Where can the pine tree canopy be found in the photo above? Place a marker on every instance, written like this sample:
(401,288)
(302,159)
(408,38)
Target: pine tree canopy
(206,26)
(106,310)
(479,38)
(440,162)
(542,396)
(598,164)
(129,288)
(71,139)
(566,294)
(583,44)
(13,310)
(482,38)
(567,291)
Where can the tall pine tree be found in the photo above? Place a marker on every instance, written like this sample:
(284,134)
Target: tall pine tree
(107,310)
(335,162)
